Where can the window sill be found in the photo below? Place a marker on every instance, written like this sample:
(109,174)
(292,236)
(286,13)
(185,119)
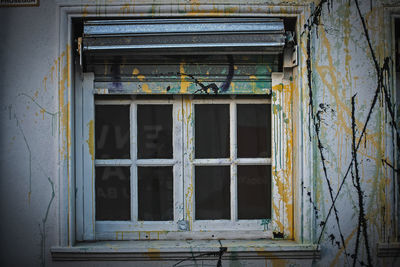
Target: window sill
(179,250)
(388,249)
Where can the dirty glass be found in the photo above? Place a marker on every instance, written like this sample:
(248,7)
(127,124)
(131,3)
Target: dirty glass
(254,191)
(212,131)
(112,132)
(113,194)
(154,127)
(155,194)
(212,192)
(254,130)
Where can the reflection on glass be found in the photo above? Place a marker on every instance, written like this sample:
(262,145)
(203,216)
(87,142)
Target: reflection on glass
(254,130)
(212,192)
(154,123)
(254,192)
(112,132)
(155,194)
(113,194)
(211,131)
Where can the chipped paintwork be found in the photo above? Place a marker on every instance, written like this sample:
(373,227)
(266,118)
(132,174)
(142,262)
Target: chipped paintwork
(341,66)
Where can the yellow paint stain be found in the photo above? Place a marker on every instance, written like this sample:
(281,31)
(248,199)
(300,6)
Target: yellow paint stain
(149,235)
(184,83)
(329,71)
(125,9)
(90,140)
(282,163)
(153,253)
(278,262)
(145,88)
(44,84)
(253,77)
(135,71)
(277,87)
(85,11)
(262,253)
(42,111)
(52,73)
(64,116)
(346,241)
(189,202)
(196,10)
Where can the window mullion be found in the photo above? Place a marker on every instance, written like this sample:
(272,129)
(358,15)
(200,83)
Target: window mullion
(178,160)
(134,183)
(188,156)
(233,149)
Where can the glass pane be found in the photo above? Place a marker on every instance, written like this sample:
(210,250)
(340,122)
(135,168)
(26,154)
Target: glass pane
(113,194)
(212,192)
(212,131)
(112,132)
(254,130)
(154,124)
(155,193)
(254,192)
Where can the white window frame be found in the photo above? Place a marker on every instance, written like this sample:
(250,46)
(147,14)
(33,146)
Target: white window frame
(303,223)
(183,173)
(214,226)
(115,230)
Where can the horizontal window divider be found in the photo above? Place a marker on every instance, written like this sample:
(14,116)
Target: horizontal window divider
(231,100)
(165,99)
(229,225)
(131,225)
(255,161)
(112,162)
(240,161)
(113,102)
(212,162)
(231,233)
(156,162)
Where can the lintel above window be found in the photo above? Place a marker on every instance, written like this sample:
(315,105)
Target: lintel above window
(185,36)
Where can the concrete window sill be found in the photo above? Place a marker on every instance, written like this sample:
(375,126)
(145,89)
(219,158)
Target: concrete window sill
(389,249)
(179,250)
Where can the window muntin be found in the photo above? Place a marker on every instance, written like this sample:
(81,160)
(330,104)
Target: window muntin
(215,202)
(231,161)
(150,121)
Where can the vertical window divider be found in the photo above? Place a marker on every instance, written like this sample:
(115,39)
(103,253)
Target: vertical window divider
(182,112)
(134,178)
(188,157)
(233,153)
(177,145)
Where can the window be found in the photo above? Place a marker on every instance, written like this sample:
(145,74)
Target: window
(165,152)
(181,163)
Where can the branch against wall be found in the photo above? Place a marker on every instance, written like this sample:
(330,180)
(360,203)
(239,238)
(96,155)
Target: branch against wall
(383,81)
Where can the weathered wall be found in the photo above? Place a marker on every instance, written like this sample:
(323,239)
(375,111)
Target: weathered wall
(341,66)
(29,155)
